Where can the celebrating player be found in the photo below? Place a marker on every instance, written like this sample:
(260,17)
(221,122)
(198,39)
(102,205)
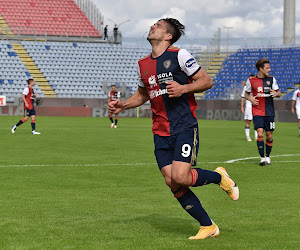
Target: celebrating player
(296,102)
(169,76)
(29,111)
(246,109)
(263,88)
(113,95)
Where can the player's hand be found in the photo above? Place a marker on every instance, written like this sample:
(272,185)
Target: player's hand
(273,93)
(114,107)
(26,105)
(175,89)
(243,110)
(254,101)
(293,111)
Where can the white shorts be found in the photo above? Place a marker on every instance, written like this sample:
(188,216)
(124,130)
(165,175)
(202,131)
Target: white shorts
(298,113)
(248,114)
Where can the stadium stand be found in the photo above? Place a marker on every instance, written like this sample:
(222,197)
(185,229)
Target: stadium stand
(13,73)
(285,67)
(37,17)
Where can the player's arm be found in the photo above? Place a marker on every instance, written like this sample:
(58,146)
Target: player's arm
(24,100)
(293,106)
(137,99)
(253,99)
(201,82)
(242,105)
(276,93)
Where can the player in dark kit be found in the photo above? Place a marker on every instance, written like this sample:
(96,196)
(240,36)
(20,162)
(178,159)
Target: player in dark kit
(169,77)
(113,95)
(263,88)
(29,111)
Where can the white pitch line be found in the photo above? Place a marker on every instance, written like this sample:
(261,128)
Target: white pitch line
(249,158)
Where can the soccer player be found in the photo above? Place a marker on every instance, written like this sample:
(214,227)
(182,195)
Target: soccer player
(263,88)
(29,111)
(113,95)
(296,103)
(169,76)
(246,108)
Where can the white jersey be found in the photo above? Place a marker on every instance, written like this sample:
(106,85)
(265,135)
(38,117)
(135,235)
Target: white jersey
(296,97)
(247,102)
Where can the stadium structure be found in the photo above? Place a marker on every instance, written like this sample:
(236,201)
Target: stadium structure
(59,43)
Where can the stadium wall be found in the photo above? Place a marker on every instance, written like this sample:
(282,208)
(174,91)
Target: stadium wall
(207,109)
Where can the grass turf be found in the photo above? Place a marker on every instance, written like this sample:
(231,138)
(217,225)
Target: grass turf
(82,185)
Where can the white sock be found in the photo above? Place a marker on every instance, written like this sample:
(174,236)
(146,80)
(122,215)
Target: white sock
(247,131)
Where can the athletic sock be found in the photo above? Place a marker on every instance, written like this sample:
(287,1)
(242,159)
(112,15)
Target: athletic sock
(299,130)
(260,146)
(202,177)
(269,145)
(190,203)
(247,131)
(116,121)
(111,119)
(19,123)
(255,133)
(33,125)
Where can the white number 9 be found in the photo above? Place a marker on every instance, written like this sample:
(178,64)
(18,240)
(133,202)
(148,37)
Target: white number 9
(186,150)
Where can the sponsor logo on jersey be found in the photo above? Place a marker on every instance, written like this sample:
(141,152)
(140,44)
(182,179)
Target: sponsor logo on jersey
(152,81)
(167,64)
(156,93)
(260,89)
(165,77)
(189,63)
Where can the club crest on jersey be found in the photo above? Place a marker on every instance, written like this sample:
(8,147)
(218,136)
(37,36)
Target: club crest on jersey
(268,82)
(167,64)
(152,81)
(189,63)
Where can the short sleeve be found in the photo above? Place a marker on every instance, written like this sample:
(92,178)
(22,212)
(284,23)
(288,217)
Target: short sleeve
(248,86)
(275,85)
(188,63)
(26,91)
(140,83)
(295,95)
(243,92)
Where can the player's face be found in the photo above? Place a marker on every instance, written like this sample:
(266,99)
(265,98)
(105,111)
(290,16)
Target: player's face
(158,31)
(266,69)
(113,88)
(31,84)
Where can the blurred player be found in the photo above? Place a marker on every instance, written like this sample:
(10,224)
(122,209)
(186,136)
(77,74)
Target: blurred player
(263,88)
(246,108)
(296,103)
(29,111)
(169,76)
(113,95)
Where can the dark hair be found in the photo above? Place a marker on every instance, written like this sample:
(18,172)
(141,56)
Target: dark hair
(261,63)
(251,75)
(30,79)
(175,28)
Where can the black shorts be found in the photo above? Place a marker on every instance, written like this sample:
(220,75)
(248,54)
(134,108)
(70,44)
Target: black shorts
(29,112)
(265,122)
(180,147)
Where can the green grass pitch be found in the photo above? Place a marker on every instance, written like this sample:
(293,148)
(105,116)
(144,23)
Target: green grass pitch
(82,185)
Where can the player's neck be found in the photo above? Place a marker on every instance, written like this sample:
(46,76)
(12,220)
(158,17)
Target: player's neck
(159,48)
(261,75)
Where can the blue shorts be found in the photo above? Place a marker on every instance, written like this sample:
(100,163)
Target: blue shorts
(265,122)
(180,147)
(29,112)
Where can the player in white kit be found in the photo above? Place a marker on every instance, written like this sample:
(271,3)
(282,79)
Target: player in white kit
(296,103)
(246,108)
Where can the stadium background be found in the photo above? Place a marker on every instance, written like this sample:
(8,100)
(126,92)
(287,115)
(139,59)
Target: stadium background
(60,45)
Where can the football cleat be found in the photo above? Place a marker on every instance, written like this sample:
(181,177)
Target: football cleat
(13,129)
(262,161)
(268,161)
(227,184)
(35,133)
(206,232)
(112,125)
(249,139)
(115,126)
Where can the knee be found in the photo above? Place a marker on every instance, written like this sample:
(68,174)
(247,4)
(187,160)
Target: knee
(168,181)
(180,179)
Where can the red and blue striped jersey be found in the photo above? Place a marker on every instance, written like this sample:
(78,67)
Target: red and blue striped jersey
(169,115)
(261,88)
(29,97)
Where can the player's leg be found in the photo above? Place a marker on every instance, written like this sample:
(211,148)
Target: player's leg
(116,120)
(111,119)
(299,126)
(26,117)
(269,128)
(33,125)
(259,127)
(298,116)
(247,130)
